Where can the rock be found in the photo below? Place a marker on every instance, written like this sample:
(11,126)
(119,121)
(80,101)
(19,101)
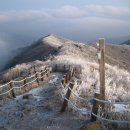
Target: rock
(91,126)
(28,96)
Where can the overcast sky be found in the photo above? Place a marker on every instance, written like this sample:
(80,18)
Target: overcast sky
(22,21)
(81,20)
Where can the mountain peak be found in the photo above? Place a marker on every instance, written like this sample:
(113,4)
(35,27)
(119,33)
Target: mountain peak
(54,41)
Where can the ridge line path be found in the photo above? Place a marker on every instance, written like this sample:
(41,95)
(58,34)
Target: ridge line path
(40,111)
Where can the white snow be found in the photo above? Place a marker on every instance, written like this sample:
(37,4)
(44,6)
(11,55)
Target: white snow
(120,108)
(35,91)
(18,97)
(53,80)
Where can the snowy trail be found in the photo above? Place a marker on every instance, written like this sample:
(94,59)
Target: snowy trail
(40,111)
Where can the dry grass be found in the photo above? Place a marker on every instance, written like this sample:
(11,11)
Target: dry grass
(15,72)
(117,80)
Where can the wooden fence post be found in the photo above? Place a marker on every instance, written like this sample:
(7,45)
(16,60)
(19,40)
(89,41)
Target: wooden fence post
(25,81)
(47,72)
(66,78)
(95,107)
(12,91)
(69,75)
(72,72)
(64,82)
(102,68)
(37,79)
(65,103)
(42,79)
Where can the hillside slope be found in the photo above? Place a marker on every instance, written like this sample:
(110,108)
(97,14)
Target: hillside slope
(83,57)
(40,111)
(53,45)
(38,51)
(126,42)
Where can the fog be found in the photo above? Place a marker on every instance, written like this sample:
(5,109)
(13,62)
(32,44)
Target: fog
(8,46)
(86,24)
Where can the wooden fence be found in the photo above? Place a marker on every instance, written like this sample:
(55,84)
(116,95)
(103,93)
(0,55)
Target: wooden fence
(102,109)
(99,108)
(16,87)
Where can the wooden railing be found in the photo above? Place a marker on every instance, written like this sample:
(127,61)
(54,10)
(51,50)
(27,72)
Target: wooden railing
(11,87)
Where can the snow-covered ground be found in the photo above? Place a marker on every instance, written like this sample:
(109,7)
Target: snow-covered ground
(39,110)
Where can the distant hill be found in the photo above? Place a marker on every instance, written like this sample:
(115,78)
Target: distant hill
(126,42)
(37,51)
(54,45)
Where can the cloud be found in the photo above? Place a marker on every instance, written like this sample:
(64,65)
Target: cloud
(23,15)
(65,12)
(108,11)
(68,12)
(4,52)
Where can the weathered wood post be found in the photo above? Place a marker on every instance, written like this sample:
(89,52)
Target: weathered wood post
(65,78)
(42,79)
(95,107)
(65,103)
(12,90)
(101,59)
(69,75)
(37,79)
(63,82)
(24,82)
(47,71)
(71,72)
(102,68)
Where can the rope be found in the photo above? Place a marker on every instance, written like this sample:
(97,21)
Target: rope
(108,102)
(42,76)
(5,84)
(31,76)
(64,88)
(22,81)
(81,98)
(6,92)
(91,99)
(14,81)
(18,87)
(25,84)
(112,121)
(87,112)
(41,72)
